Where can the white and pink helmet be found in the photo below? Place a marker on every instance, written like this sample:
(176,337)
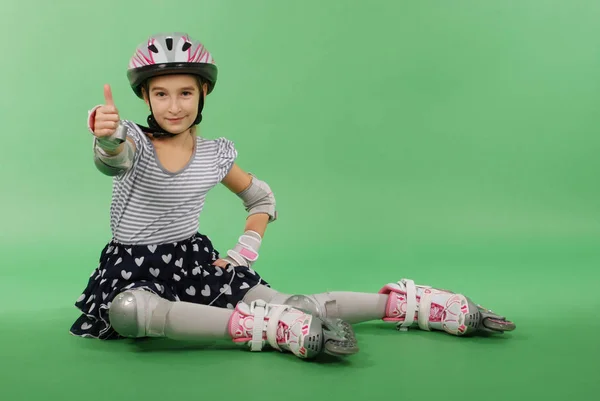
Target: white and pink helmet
(170,53)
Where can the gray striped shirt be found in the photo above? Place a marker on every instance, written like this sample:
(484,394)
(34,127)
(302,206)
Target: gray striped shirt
(151,205)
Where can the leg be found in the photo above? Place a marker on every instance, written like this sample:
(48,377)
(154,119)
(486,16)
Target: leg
(352,307)
(404,302)
(140,313)
(437,309)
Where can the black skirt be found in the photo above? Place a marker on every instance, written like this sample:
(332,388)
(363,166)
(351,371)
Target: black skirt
(180,271)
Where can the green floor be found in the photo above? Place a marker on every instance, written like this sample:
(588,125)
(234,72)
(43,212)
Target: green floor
(452,142)
(553,355)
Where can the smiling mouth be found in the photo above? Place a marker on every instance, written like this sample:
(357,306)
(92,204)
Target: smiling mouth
(174,120)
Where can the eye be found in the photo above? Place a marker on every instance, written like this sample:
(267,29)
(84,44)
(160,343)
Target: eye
(187,93)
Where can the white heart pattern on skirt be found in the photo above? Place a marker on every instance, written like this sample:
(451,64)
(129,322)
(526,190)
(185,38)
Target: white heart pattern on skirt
(154,272)
(126,275)
(152,248)
(226,289)
(206,291)
(191,290)
(167,258)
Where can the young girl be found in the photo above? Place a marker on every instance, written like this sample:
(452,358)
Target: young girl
(160,277)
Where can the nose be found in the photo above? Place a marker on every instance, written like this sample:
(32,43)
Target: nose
(174,106)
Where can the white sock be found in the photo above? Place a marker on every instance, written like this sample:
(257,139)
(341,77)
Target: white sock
(189,321)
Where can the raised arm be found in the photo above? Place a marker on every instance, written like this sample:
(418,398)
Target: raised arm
(113,151)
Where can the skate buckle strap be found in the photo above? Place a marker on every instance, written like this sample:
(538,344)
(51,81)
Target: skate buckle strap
(425,309)
(409,287)
(413,306)
(258,309)
(275,312)
(261,310)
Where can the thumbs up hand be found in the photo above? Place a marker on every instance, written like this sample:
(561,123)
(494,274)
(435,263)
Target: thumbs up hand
(107,118)
(104,122)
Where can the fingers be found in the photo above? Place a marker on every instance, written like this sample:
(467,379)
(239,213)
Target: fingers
(220,263)
(107,116)
(105,128)
(108,98)
(104,114)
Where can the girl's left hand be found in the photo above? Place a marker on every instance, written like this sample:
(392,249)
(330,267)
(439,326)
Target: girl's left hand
(220,263)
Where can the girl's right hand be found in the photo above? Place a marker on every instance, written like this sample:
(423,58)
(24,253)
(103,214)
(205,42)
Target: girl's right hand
(107,118)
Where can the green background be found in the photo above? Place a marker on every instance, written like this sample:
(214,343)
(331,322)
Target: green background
(452,142)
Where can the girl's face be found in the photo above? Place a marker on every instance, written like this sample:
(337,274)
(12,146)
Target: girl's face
(174,100)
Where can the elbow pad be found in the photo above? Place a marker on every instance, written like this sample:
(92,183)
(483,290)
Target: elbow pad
(258,198)
(113,165)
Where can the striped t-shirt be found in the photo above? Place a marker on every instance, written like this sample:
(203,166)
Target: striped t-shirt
(151,205)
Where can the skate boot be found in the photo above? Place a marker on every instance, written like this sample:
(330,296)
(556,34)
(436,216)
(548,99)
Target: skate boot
(437,309)
(285,328)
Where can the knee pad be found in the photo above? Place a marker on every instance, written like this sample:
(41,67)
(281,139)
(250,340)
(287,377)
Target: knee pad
(138,313)
(321,305)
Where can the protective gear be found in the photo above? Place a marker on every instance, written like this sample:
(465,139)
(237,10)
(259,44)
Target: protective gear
(112,142)
(138,313)
(113,165)
(245,252)
(440,310)
(171,53)
(321,305)
(259,198)
(351,307)
(288,329)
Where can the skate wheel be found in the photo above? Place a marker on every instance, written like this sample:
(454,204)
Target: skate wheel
(498,325)
(341,340)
